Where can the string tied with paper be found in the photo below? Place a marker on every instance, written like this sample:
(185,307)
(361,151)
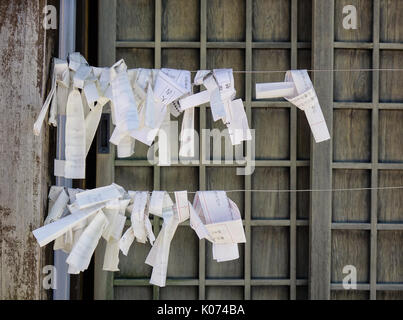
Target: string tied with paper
(78,219)
(216,218)
(298,89)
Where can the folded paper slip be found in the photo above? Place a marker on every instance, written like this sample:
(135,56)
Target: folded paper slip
(217,218)
(298,89)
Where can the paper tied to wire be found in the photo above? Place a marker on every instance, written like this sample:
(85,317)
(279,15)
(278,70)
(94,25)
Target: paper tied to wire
(77,92)
(87,216)
(162,205)
(220,92)
(141,228)
(298,89)
(216,218)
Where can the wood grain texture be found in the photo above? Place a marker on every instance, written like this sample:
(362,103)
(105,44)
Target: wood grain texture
(364,21)
(268,15)
(135,20)
(303,198)
(136,58)
(133,293)
(350,247)
(390,82)
(179,293)
(391,12)
(273,127)
(390,136)
(390,256)
(135,178)
(302,252)
(25,57)
(270,252)
(352,86)
(271,205)
(270,293)
(224,293)
(351,206)
(175,15)
(233,269)
(349,295)
(225,20)
(352,135)
(390,202)
(304,20)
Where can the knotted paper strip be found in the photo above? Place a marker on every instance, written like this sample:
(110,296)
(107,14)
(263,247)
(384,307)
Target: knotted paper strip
(298,89)
(217,218)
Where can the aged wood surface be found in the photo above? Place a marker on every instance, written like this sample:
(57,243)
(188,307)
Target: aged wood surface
(25,52)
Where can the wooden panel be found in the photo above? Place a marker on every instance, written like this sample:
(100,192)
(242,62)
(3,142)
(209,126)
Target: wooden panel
(364,21)
(351,206)
(133,293)
(391,26)
(228,269)
(390,202)
(224,293)
(183,254)
(179,293)
(180,178)
(303,136)
(350,247)
(225,20)
(389,295)
(390,136)
(273,127)
(226,179)
(390,256)
(304,20)
(303,197)
(271,205)
(229,58)
(270,293)
(189,59)
(180,20)
(352,135)
(270,252)
(352,86)
(135,20)
(349,295)
(302,293)
(25,59)
(268,16)
(390,82)
(132,265)
(134,178)
(136,58)
(269,59)
(302,252)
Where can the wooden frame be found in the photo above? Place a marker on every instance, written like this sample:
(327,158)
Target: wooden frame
(323,161)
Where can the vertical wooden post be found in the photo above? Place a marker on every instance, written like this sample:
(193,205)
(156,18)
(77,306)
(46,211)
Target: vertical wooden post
(103,280)
(321,153)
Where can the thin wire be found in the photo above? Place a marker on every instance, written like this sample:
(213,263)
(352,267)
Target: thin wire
(317,70)
(306,190)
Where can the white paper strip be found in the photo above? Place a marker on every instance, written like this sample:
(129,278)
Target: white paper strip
(99,195)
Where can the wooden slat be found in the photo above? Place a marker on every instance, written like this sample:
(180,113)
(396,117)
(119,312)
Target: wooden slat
(321,174)
(248,182)
(103,280)
(374,150)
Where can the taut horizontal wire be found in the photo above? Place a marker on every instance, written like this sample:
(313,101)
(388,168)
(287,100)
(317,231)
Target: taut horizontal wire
(306,190)
(317,70)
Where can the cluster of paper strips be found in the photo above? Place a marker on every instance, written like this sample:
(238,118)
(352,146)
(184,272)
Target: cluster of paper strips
(78,219)
(141,101)
(298,89)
